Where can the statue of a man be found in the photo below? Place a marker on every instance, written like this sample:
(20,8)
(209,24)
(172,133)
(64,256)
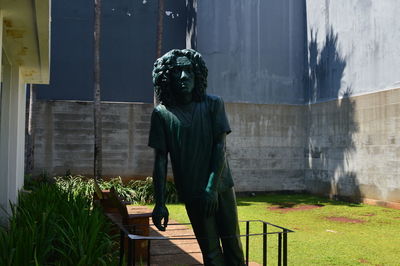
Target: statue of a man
(191,126)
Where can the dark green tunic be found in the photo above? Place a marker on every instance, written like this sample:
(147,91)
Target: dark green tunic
(187,133)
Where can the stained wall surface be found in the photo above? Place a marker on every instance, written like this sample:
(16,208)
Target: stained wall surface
(354,147)
(271,52)
(128,48)
(353,112)
(64,138)
(266,146)
(348,147)
(353,47)
(296,52)
(265,152)
(310,89)
(255,50)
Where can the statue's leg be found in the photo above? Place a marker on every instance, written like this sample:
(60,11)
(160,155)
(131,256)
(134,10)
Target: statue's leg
(228,226)
(205,229)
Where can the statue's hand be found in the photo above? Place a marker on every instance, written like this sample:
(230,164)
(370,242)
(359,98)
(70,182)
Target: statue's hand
(210,201)
(160,212)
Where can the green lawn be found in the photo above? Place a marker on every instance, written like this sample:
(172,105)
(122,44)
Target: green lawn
(317,239)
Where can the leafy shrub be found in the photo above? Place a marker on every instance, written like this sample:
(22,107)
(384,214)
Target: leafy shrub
(56,224)
(76,185)
(50,226)
(171,193)
(143,190)
(136,191)
(125,192)
(31,183)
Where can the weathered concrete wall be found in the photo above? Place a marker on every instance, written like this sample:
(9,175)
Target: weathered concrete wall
(354,147)
(307,53)
(265,147)
(275,51)
(348,147)
(64,138)
(353,47)
(255,50)
(299,51)
(353,144)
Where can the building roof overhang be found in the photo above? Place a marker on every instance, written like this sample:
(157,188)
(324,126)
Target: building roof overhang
(26,37)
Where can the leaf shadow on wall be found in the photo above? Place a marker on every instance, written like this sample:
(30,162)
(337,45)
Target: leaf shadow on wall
(331,122)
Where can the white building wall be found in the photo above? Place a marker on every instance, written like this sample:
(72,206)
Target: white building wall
(12,135)
(25,50)
(4,126)
(4,144)
(16,133)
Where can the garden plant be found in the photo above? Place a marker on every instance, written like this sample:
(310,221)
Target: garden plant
(55,222)
(49,226)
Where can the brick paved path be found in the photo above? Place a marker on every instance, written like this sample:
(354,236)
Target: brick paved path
(176,252)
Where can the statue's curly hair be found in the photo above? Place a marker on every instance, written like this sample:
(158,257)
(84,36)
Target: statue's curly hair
(161,75)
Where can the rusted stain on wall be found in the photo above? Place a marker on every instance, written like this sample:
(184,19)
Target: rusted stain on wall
(30,73)
(14,33)
(8,23)
(23,51)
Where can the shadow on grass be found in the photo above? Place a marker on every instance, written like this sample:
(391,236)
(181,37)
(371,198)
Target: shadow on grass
(291,200)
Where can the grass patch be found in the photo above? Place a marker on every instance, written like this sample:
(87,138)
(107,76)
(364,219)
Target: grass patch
(332,233)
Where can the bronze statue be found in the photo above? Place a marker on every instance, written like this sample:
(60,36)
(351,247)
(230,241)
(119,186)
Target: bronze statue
(191,126)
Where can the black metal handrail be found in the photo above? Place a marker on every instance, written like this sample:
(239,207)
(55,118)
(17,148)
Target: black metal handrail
(281,238)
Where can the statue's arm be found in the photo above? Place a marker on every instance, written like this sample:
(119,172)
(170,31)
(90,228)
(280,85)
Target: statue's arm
(217,162)
(217,166)
(159,180)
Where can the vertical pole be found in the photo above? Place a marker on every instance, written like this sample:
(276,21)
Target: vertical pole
(30,146)
(160,27)
(121,246)
(159,37)
(264,244)
(279,249)
(285,251)
(134,252)
(247,241)
(130,261)
(191,24)
(97,166)
(148,252)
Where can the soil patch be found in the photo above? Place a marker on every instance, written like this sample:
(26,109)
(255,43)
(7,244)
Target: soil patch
(363,261)
(368,214)
(297,208)
(345,220)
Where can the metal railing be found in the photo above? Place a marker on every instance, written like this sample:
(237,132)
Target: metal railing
(280,232)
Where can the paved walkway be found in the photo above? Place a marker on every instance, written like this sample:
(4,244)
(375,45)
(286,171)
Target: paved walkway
(176,252)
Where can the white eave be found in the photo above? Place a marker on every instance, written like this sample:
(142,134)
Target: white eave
(26,37)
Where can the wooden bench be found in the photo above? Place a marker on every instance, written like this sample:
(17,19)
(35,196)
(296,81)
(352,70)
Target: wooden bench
(134,219)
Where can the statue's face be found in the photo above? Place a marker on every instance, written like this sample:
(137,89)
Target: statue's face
(182,77)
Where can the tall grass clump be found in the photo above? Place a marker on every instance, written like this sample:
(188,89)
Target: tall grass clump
(144,191)
(50,226)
